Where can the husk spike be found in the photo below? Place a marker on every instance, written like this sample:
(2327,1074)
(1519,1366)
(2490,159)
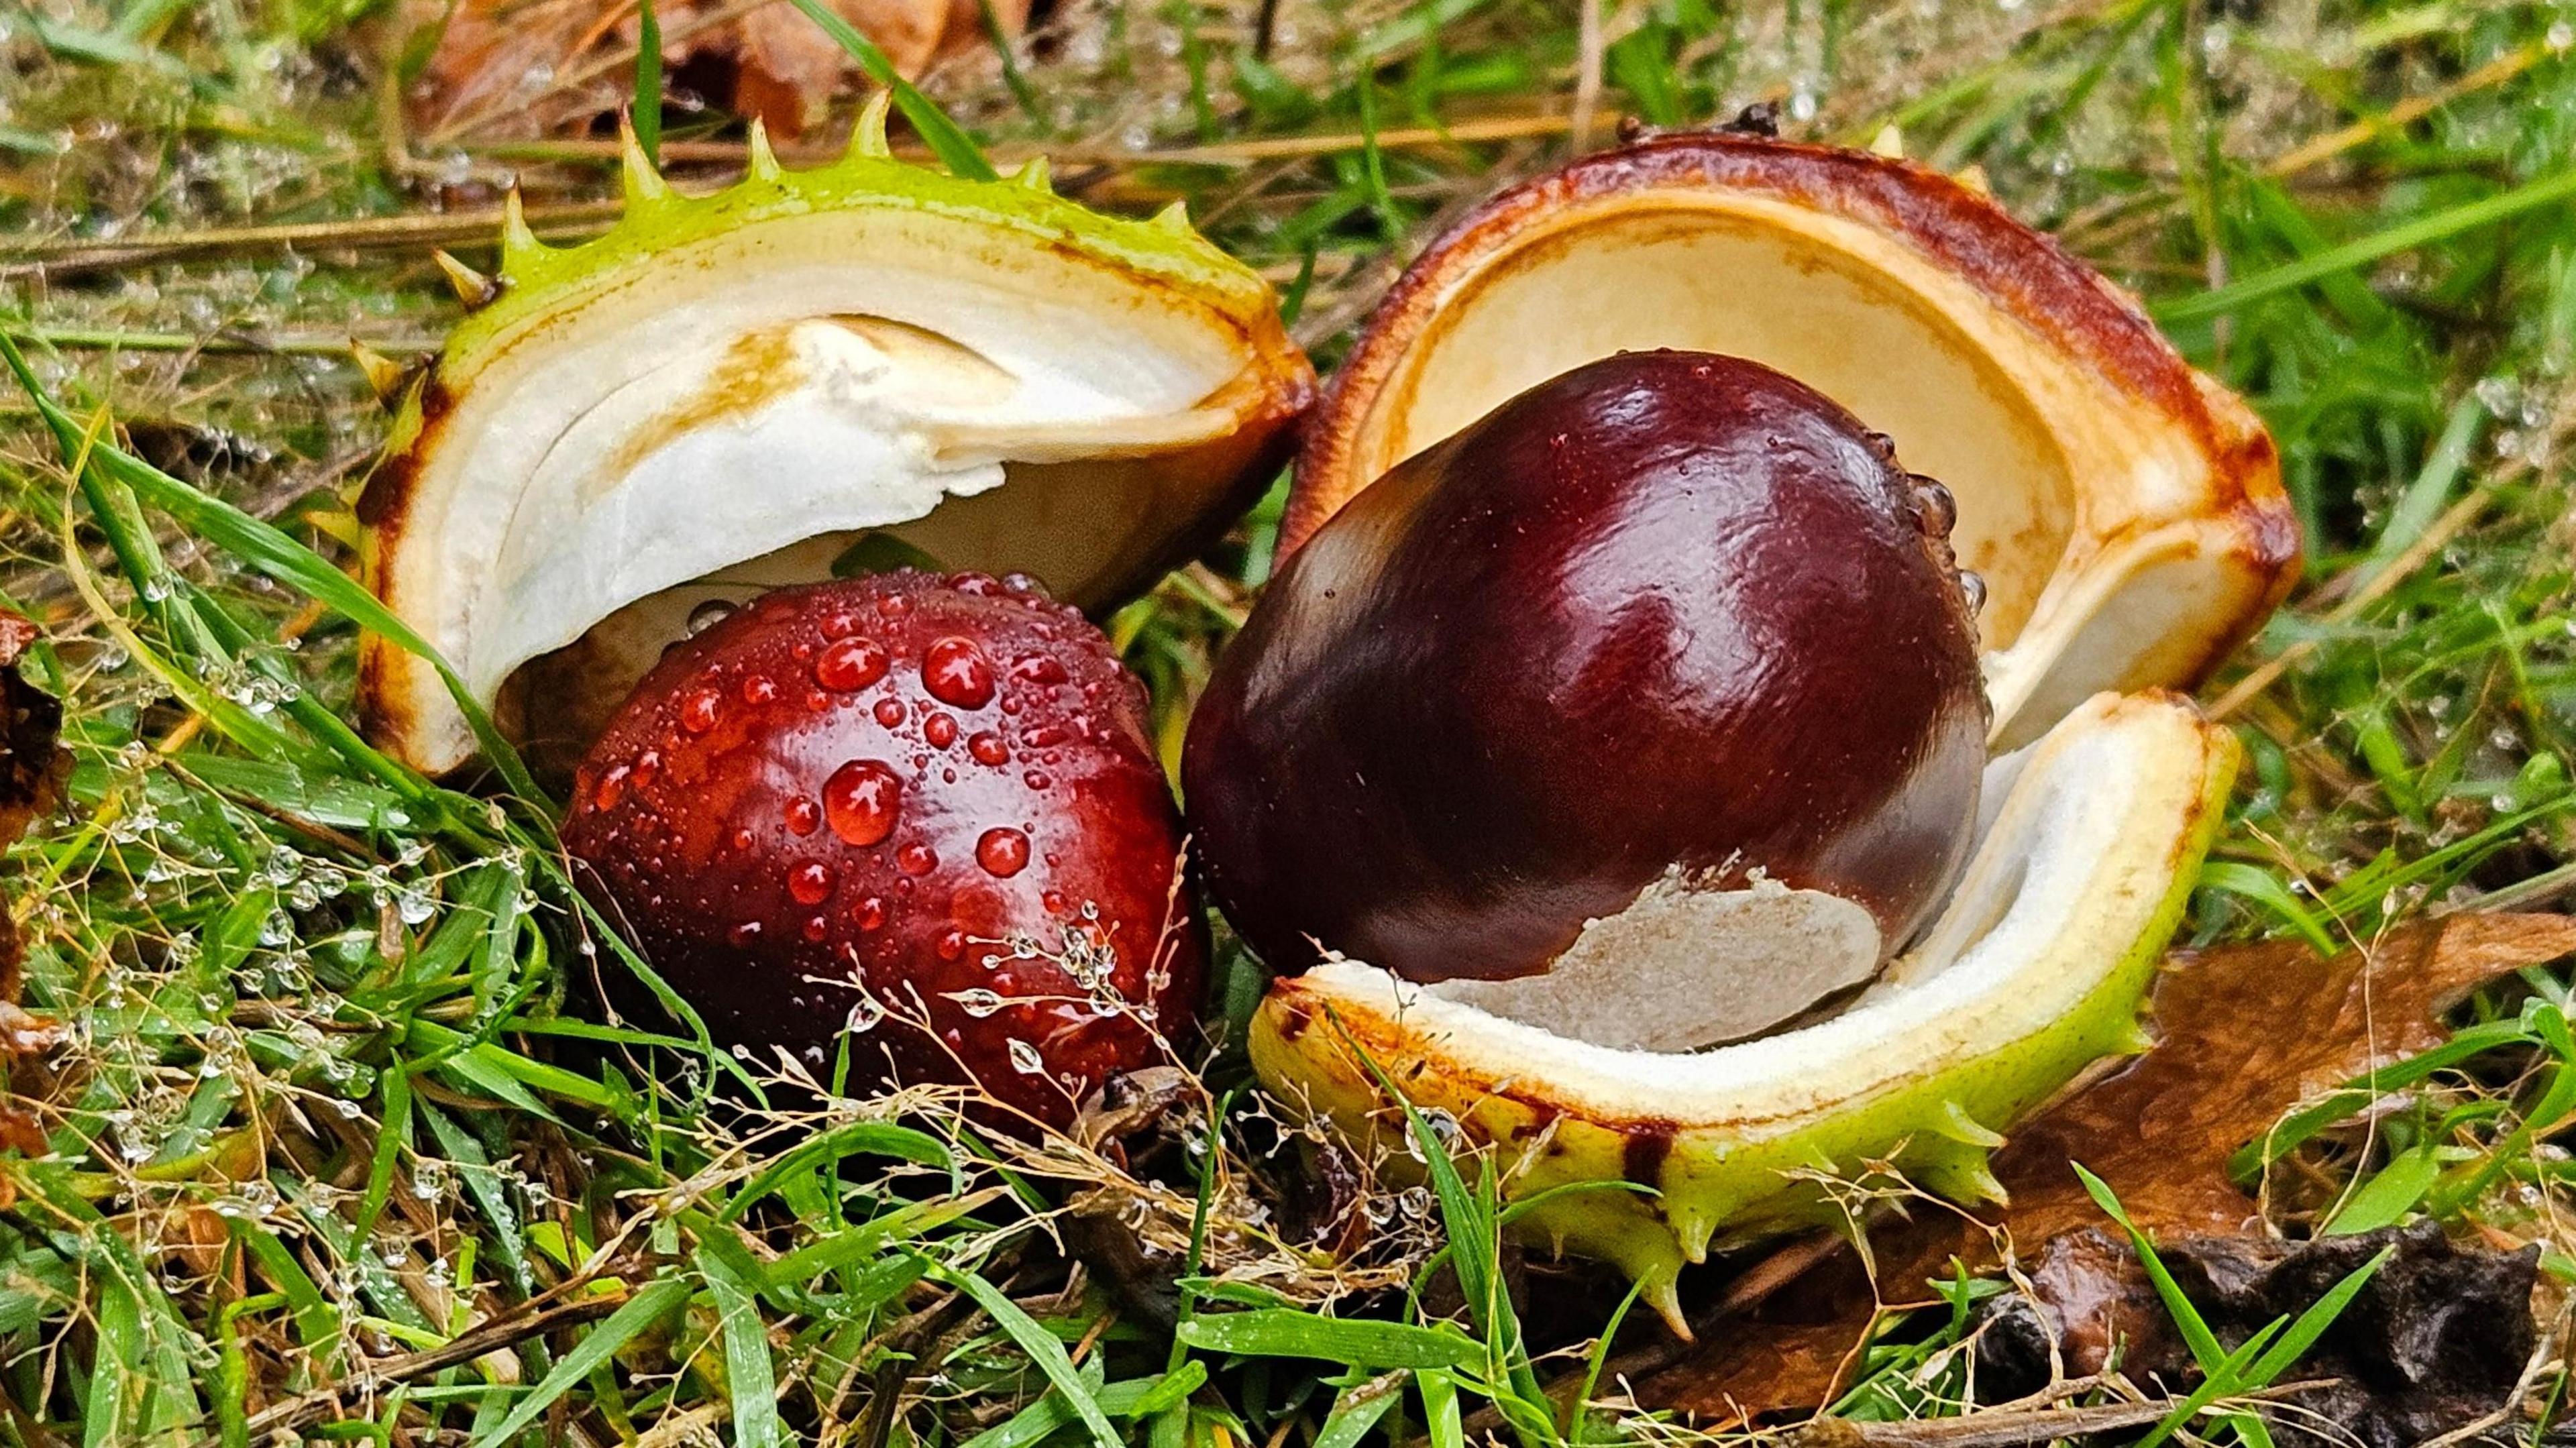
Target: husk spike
(1962,1176)
(1955,1123)
(384,374)
(644,185)
(471,287)
(518,242)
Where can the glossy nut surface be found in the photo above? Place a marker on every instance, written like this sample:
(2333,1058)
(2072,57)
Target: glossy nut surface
(921,811)
(1667,611)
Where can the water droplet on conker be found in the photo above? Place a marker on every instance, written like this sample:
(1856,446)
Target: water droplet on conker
(861,800)
(810,883)
(850,664)
(1003,852)
(700,710)
(955,671)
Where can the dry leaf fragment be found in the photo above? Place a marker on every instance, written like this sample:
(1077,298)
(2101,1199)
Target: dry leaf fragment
(524,68)
(2436,1340)
(2245,1034)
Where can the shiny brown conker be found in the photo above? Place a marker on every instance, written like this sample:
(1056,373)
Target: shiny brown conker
(1669,615)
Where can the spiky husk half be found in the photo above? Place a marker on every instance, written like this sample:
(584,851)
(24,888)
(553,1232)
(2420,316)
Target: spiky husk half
(1210,381)
(2036,971)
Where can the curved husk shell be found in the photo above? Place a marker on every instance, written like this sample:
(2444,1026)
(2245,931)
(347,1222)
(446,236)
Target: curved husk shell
(1127,497)
(2036,971)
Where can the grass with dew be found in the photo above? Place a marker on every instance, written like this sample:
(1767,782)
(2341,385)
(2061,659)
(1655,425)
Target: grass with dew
(337,1154)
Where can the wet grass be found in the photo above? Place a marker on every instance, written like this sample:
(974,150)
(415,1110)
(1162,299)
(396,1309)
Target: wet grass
(332,1155)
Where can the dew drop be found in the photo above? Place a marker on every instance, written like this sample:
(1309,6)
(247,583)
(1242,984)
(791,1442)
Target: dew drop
(978,1002)
(940,730)
(952,944)
(1974,586)
(955,671)
(1002,852)
(861,800)
(1038,669)
(648,767)
(1038,779)
(745,935)
(700,710)
(889,712)
(815,930)
(741,840)
(1054,902)
(988,748)
(803,816)
(1935,511)
(1025,1058)
(869,914)
(840,624)
(611,788)
(708,614)
(865,1012)
(810,883)
(916,859)
(851,664)
(759,689)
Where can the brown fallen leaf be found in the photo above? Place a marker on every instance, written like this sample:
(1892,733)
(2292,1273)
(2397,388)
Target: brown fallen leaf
(2244,1034)
(515,69)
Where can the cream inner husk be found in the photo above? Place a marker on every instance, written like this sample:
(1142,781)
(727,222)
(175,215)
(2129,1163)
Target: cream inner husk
(649,446)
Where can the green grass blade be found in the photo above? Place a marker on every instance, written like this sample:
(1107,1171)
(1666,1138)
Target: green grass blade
(1358,1410)
(947,140)
(2220,1380)
(601,1343)
(2196,1334)
(2424,230)
(647,106)
(1041,1346)
(751,1379)
(1359,1342)
(2265,889)
(2312,1324)
(857,1138)
(2386,1198)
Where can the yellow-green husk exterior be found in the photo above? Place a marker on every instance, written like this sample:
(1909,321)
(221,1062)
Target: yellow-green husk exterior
(1738,1174)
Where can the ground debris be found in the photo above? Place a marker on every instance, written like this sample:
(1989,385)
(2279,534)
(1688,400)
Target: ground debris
(503,69)
(2435,1341)
(2160,1131)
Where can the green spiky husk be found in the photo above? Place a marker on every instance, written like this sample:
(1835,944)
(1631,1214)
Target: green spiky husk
(1662,1194)
(660,225)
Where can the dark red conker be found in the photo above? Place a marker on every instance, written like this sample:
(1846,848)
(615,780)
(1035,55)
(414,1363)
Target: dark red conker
(1666,612)
(924,811)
